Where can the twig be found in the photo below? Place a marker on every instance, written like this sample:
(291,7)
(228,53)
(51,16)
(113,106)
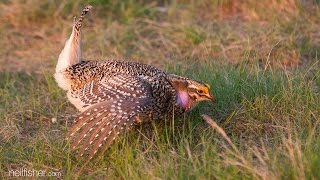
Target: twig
(268,58)
(214,125)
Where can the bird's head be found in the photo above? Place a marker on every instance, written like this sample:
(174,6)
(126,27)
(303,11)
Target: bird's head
(190,92)
(199,91)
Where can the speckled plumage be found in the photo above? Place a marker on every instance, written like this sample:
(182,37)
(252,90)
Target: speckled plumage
(112,95)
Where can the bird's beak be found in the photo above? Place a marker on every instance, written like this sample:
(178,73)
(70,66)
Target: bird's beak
(211,97)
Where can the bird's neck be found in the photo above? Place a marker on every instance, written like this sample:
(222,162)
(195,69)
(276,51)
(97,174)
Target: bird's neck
(180,84)
(184,101)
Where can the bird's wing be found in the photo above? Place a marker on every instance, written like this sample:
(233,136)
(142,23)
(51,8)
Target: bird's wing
(122,99)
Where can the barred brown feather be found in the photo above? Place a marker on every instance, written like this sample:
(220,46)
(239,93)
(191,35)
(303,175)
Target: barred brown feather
(78,23)
(103,121)
(114,94)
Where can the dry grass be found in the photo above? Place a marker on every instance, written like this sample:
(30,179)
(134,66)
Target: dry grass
(261,59)
(231,30)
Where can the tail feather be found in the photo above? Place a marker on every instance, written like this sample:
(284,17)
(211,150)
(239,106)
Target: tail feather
(87,128)
(71,53)
(78,23)
(104,126)
(99,126)
(84,118)
(110,134)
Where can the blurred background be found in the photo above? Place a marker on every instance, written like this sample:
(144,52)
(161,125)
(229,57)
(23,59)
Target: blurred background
(260,58)
(282,33)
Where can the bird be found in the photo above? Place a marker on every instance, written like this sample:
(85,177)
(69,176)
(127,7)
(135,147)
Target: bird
(113,95)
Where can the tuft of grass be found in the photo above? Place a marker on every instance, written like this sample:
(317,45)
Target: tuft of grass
(263,67)
(195,36)
(271,116)
(285,35)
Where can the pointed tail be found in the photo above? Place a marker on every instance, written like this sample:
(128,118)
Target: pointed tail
(71,53)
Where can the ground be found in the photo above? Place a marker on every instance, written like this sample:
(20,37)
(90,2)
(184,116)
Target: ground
(260,58)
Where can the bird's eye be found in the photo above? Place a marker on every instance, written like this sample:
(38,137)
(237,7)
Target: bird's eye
(199,91)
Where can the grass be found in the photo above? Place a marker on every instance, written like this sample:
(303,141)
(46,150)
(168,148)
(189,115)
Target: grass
(262,67)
